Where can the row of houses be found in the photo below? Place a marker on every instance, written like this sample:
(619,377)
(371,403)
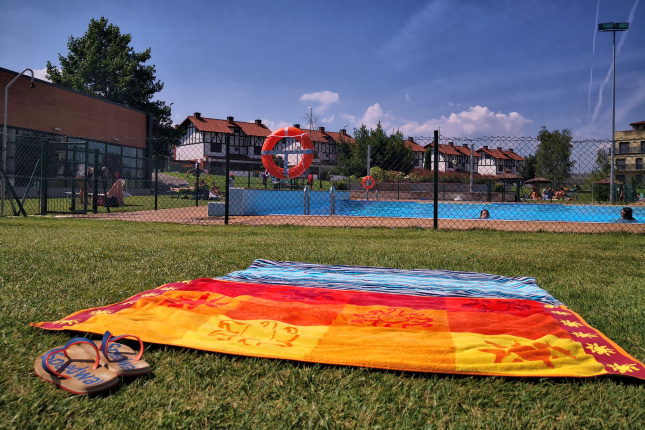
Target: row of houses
(204,142)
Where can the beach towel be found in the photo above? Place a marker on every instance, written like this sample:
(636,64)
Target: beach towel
(409,320)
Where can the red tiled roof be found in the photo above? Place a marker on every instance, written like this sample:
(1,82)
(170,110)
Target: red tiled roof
(415,147)
(446,149)
(252,129)
(336,136)
(512,155)
(223,126)
(637,123)
(316,135)
(208,124)
(495,153)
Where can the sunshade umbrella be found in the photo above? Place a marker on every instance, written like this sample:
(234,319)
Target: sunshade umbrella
(537,180)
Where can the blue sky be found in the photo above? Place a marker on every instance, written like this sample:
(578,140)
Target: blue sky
(473,68)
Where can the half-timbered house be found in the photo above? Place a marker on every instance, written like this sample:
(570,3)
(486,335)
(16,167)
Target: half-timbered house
(204,142)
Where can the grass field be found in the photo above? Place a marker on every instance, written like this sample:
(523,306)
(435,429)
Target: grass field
(50,268)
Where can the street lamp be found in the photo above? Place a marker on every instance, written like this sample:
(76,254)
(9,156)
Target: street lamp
(311,120)
(613,27)
(4,137)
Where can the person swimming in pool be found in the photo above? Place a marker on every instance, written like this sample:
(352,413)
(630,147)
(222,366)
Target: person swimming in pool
(484,214)
(626,214)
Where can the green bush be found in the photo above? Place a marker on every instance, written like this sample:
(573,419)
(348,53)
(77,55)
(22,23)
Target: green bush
(340,185)
(377,173)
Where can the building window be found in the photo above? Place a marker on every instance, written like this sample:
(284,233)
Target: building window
(257,150)
(216,147)
(623,148)
(620,163)
(639,164)
(642,147)
(639,179)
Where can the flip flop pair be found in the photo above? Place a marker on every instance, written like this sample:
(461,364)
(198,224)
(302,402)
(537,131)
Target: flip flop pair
(80,367)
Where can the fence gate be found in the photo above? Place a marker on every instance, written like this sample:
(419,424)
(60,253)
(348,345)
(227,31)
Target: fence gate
(64,168)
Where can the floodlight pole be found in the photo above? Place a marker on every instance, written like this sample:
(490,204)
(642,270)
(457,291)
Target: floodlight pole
(613,27)
(4,137)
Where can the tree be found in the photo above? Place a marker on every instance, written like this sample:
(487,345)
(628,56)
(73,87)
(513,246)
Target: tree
(387,152)
(553,155)
(528,169)
(312,118)
(103,64)
(603,164)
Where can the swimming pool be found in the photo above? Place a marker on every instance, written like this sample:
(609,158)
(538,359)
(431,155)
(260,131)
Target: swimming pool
(498,211)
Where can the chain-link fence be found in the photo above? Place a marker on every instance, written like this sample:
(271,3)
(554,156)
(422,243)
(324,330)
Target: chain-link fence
(459,183)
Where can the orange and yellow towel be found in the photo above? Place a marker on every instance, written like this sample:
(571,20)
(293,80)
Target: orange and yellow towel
(457,335)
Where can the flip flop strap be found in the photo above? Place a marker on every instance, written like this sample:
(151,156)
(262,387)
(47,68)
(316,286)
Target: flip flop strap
(107,338)
(49,369)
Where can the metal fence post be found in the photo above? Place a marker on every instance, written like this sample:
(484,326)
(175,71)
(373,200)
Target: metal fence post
(227,172)
(157,182)
(44,163)
(436,180)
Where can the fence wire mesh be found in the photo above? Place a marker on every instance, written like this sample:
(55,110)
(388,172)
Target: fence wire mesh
(507,183)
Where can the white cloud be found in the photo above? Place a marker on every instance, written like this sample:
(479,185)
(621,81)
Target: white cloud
(271,125)
(328,120)
(477,121)
(41,74)
(373,115)
(325,98)
(407,97)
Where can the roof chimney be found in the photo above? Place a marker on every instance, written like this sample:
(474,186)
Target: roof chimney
(296,125)
(258,122)
(343,132)
(465,145)
(499,148)
(452,144)
(485,146)
(410,138)
(198,115)
(229,119)
(321,129)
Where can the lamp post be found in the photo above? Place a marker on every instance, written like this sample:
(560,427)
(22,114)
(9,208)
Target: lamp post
(311,125)
(4,137)
(613,27)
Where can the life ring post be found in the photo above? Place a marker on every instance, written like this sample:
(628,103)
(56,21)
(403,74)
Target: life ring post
(268,152)
(368,182)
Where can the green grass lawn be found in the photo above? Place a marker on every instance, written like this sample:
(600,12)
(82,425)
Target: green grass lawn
(50,268)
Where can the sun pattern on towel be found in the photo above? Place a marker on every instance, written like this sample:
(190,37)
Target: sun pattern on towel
(571,323)
(536,351)
(70,322)
(584,335)
(393,317)
(190,303)
(623,368)
(600,349)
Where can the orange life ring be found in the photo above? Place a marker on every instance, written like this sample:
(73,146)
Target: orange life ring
(368,182)
(307,152)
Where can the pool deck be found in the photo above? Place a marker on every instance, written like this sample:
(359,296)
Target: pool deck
(199,215)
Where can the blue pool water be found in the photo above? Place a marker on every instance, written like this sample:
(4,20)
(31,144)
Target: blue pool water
(499,211)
